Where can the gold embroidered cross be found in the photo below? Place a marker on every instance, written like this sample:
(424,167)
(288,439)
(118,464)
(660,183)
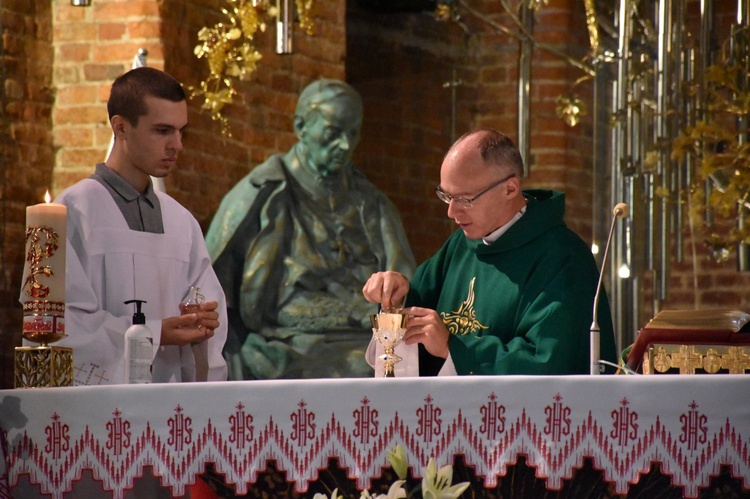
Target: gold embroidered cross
(464,320)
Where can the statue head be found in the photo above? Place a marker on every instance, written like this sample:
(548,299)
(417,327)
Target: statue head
(327,122)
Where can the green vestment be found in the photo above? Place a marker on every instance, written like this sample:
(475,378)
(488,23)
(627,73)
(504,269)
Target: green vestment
(521,305)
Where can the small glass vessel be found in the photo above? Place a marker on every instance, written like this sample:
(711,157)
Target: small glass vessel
(193,301)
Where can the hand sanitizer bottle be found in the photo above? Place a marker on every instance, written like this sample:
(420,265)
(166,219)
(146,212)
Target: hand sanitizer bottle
(139,348)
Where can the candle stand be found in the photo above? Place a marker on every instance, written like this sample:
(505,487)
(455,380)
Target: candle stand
(43,298)
(43,365)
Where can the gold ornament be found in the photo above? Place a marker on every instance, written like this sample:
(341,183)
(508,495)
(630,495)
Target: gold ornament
(304,14)
(722,158)
(696,359)
(593,26)
(570,109)
(535,5)
(229,49)
(464,320)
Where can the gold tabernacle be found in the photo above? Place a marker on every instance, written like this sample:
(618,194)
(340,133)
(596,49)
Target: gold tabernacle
(696,359)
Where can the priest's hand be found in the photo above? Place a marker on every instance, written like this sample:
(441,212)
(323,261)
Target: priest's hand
(387,288)
(425,326)
(191,328)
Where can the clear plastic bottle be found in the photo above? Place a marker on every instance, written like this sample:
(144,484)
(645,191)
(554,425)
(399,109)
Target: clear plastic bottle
(139,348)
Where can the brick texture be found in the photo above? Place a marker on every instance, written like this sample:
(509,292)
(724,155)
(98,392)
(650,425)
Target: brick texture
(26,150)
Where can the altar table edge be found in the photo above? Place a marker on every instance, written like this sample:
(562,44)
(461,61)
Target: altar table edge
(691,425)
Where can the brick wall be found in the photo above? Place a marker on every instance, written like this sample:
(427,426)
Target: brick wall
(26,150)
(401,62)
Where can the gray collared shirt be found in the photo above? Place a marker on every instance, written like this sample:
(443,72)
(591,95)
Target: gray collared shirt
(142,211)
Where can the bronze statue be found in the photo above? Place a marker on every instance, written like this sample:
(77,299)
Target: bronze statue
(294,242)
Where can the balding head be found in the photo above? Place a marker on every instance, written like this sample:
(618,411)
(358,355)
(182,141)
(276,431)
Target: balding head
(495,148)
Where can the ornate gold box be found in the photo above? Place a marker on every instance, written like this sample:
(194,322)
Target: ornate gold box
(712,341)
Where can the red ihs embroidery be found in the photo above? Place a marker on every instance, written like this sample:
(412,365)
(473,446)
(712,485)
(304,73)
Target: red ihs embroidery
(180,430)
(693,428)
(366,422)
(303,424)
(557,420)
(58,438)
(493,418)
(118,434)
(429,420)
(241,427)
(624,424)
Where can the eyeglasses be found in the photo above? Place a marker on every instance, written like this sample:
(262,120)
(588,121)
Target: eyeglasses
(467,202)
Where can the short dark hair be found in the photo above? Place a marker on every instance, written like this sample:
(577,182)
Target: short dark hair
(497,149)
(127,97)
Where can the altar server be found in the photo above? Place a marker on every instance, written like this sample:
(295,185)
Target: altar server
(126,241)
(511,291)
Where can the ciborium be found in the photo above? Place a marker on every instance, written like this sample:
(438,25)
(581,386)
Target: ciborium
(389,330)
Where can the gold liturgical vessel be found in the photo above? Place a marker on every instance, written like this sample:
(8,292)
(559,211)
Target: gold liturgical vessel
(389,330)
(43,298)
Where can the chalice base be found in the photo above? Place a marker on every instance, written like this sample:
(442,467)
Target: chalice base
(389,330)
(389,359)
(43,366)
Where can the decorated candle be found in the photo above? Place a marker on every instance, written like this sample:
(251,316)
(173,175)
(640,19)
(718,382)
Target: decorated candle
(43,286)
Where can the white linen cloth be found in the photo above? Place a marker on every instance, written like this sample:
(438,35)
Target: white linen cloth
(690,425)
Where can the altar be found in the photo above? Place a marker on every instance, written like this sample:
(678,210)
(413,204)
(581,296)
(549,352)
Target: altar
(691,425)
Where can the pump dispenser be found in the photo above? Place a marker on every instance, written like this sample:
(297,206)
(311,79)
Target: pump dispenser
(139,348)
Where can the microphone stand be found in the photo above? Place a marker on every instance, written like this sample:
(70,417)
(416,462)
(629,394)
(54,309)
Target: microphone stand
(620,211)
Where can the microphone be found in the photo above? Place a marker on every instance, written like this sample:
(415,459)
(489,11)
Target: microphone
(621,211)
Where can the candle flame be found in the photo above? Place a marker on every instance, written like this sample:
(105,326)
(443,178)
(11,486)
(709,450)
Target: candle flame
(47,197)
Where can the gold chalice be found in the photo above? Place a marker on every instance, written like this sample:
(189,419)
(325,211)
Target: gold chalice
(389,330)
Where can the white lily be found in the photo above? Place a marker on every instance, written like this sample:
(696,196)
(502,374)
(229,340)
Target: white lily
(334,495)
(437,484)
(397,458)
(396,491)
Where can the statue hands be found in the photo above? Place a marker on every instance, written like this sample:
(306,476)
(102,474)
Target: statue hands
(334,308)
(359,310)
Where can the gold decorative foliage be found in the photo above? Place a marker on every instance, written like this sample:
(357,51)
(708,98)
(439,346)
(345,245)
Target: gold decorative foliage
(43,366)
(229,49)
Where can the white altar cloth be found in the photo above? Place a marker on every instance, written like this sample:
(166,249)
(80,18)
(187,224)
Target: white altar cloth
(691,425)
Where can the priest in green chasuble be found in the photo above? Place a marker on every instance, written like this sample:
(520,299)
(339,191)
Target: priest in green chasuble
(512,290)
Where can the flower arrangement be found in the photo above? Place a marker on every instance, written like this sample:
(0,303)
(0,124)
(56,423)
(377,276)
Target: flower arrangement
(436,484)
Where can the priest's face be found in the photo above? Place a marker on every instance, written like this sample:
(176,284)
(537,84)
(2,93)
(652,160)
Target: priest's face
(152,146)
(330,134)
(464,174)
